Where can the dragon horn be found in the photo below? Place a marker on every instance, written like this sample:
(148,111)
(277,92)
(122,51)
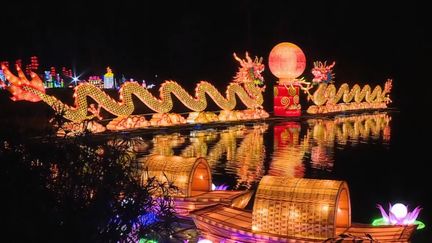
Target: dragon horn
(249,60)
(238,59)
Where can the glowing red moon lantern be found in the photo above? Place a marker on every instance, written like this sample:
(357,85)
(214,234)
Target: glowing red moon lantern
(287,61)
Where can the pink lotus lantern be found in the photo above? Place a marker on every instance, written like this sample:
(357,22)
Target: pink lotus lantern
(398,215)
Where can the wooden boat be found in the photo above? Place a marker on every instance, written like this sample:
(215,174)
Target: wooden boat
(193,178)
(294,210)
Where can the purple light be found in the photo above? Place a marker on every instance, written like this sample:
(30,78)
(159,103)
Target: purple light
(399,214)
(222,187)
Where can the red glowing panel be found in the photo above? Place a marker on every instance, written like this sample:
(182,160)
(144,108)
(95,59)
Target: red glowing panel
(287,61)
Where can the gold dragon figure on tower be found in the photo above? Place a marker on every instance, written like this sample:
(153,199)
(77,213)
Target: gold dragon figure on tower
(327,97)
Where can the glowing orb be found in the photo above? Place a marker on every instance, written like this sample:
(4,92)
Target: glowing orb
(287,61)
(399,210)
(205,241)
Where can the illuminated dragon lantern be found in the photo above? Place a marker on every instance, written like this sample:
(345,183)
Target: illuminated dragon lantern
(247,86)
(326,97)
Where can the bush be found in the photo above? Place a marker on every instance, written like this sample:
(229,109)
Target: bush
(79,190)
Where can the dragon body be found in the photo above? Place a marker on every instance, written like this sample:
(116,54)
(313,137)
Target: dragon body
(245,86)
(327,98)
(328,94)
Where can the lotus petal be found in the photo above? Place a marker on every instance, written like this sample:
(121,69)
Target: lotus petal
(383,213)
(393,219)
(414,214)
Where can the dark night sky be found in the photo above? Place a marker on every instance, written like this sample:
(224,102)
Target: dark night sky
(188,42)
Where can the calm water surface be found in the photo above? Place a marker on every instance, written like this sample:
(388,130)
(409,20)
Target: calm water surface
(363,149)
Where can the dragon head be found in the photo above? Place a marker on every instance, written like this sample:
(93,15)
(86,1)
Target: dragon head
(323,73)
(249,70)
(20,87)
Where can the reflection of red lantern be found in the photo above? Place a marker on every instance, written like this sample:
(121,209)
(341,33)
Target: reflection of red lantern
(287,61)
(286,134)
(288,153)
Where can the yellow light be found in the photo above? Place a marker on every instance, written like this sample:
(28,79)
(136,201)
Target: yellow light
(249,93)
(326,98)
(324,208)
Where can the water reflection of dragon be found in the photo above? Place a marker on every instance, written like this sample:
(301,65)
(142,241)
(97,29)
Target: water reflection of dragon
(326,96)
(246,86)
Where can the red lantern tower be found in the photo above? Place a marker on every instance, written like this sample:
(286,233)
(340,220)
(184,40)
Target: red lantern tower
(287,62)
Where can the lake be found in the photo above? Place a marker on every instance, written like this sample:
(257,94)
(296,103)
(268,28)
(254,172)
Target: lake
(367,150)
(379,154)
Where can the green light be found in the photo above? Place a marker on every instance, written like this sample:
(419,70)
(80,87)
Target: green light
(380,221)
(142,240)
(420,224)
(376,222)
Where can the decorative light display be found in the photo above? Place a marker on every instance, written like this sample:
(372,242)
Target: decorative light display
(398,215)
(226,144)
(249,157)
(326,133)
(295,210)
(287,62)
(48,80)
(4,63)
(108,79)
(96,81)
(71,129)
(323,73)
(18,63)
(326,97)
(2,79)
(143,240)
(53,72)
(205,241)
(66,72)
(53,80)
(243,147)
(222,187)
(352,128)
(20,84)
(34,63)
(192,177)
(165,144)
(289,150)
(244,86)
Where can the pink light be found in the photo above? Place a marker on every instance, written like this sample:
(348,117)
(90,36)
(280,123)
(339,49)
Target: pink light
(205,241)
(287,61)
(399,214)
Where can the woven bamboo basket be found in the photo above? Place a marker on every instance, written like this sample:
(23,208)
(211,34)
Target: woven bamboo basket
(302,208)
(191,175)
